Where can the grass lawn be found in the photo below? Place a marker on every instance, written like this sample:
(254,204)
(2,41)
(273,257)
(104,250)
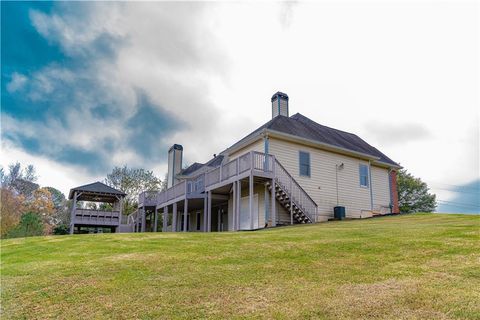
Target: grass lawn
(422,266)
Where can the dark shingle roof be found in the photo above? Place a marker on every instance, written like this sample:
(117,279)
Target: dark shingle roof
(214,162)
(194,167)
(96,187)
(301,126)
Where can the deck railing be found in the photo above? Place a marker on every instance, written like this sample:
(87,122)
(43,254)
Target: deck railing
(99,217)
(147,197)
(212,177)
(256,160)
(252,160)
(296,192)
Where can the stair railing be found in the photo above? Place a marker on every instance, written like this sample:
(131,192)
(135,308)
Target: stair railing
(298,195)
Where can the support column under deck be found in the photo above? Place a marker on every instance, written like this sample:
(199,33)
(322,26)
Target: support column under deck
(155,222)
(205,210)
(185,214)
(209,211)
(174,218)
(273,215)
(239,201)
(165,219)
(250,199)
(234,206)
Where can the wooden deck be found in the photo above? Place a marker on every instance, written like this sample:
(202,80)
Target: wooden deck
(222,181)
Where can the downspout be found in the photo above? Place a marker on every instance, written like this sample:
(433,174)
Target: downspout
(370,184)
(390,189)
(336,180)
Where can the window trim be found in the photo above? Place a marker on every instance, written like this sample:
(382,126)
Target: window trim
(366,175)
(300,164)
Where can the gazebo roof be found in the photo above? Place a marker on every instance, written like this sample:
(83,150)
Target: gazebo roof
(96,191)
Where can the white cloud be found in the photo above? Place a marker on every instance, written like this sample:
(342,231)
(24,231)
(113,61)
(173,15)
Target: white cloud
(17,82)
(51,173)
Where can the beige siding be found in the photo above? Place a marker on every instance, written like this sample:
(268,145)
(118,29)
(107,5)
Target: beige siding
(321,185)
(381,189)
(256,146)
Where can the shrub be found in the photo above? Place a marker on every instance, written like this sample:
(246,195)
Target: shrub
(30,225)
(61,229)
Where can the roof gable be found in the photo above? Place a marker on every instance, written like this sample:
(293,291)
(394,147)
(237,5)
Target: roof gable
(96,187)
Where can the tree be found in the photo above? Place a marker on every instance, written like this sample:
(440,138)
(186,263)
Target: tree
(11,208)
(163,185)
(42,204)
(30,225)
(413,195)
(58,197)
(62,208)
(132,182)
(22,181)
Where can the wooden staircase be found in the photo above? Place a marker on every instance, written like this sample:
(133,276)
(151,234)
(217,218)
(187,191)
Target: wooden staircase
(283,197)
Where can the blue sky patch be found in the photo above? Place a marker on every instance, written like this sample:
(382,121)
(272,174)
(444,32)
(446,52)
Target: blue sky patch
(55,83)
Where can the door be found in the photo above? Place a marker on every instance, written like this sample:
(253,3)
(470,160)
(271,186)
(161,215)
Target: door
(245,214)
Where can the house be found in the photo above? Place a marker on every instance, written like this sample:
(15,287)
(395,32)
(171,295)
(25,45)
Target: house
(290,170)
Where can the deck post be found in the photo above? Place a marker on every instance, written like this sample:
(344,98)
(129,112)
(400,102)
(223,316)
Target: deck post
(273,215)
(165,219)
(274,209)
(155,223)
(239,203)
(219,219)
(250,197)
(73,213)
(205,211)
(234,206)
(209,212)
(174,218)
(265,196)
(144,219)
(185,214)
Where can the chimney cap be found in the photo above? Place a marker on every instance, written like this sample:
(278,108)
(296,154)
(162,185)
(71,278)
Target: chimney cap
(280,95)
(176,147)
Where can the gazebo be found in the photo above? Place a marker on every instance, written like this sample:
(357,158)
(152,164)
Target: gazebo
(88,218)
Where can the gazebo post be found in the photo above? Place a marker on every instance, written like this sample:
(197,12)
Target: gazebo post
(72,214)
(155,223)
(144,220)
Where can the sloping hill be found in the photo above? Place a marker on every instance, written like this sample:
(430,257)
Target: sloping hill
(421,266)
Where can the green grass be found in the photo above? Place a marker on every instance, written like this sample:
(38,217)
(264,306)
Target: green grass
(421,266)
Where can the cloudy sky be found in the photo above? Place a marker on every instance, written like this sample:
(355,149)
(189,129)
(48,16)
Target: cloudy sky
(88,86)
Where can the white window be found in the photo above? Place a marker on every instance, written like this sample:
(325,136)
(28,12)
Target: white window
(304,163)
(363,175)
